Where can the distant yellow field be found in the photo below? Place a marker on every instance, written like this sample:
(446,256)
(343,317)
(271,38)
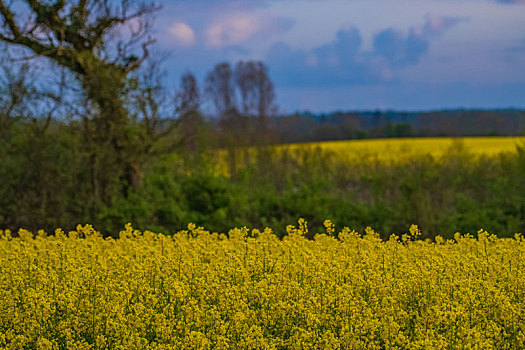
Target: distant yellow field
(391,150)
(402,148)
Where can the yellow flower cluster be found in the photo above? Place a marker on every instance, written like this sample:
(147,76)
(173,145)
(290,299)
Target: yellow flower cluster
(251,290)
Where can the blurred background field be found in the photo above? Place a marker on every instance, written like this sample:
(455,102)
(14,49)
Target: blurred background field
(444,185)
(384,150)
(394,150)
(405,148)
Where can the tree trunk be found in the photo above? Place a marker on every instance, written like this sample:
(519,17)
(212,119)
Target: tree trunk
(111,145)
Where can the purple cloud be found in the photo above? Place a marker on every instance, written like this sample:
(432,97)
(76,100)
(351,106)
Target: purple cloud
(181,34)
(217,24)
(240,27)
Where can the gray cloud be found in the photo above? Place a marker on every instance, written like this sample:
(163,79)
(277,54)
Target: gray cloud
(335,63)
(344,62)
(401,49)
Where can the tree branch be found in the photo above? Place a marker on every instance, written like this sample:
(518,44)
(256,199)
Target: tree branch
(9,20)
(134,65)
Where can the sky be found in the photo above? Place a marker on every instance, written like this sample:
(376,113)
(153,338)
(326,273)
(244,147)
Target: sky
(328,55)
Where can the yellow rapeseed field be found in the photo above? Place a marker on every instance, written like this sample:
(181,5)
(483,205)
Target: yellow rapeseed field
(396,149)
(379,151)
(250,290)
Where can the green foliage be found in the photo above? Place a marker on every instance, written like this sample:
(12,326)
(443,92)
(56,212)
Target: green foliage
(46,184)
(457,192)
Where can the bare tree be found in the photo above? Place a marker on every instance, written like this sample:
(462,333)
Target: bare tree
(187,98)
(255,88)
(187,101)
(266,103)
(152,107)
(257,98)
(26,97)
(16,91)
(245,75)
(220,88)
